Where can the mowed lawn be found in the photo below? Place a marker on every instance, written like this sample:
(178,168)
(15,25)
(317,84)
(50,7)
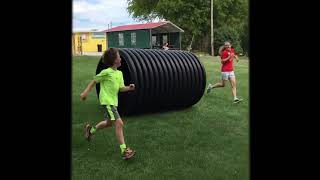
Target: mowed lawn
(209,140)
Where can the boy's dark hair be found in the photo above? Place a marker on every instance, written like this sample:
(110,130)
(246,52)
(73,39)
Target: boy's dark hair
(109,56)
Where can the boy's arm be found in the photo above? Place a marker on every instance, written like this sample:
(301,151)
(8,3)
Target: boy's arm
(131,87)
(85,93)
(96,79)
(237,58)
(226,59)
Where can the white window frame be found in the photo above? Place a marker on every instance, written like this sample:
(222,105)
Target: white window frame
(121,39)
(133,38)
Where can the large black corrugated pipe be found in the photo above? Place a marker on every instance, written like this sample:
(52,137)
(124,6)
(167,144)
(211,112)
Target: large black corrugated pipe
(163,80)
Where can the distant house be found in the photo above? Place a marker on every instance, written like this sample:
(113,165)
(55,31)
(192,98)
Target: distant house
(88,42)
(146,36)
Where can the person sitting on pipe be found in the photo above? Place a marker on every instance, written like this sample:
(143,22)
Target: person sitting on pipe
(165,46)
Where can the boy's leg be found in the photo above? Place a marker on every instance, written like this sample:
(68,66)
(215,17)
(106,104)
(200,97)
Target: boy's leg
(115,117)
(233,87)
(119,131)
(232,80)
(217,85)
(89,131)
(220,84)
(125,151)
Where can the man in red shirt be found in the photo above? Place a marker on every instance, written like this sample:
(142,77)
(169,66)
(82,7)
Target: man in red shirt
(227,55)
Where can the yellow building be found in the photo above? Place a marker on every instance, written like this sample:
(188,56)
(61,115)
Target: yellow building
(88,42)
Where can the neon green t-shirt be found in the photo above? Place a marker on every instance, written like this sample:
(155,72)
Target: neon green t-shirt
(110,82)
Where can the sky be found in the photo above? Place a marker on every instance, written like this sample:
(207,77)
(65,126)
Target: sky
(97,14)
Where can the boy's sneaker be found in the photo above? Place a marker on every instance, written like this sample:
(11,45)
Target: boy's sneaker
(237,100)
(128,153)
(209,88)
(88,135)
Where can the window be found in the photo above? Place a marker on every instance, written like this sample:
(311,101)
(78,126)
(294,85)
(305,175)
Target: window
(165,39)
(121,40)
(83,37)
(154,40)
(98,35)
(133,38)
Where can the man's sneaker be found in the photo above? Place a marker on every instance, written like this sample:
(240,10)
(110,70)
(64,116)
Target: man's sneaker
(128,153)
(209,88)
(88,135)
(237,100)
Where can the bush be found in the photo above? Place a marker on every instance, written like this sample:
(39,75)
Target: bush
(245,39)
(227,33)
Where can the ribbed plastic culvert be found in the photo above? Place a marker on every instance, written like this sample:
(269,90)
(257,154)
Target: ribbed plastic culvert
(164,80)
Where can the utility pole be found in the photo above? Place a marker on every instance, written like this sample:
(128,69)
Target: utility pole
(212,38)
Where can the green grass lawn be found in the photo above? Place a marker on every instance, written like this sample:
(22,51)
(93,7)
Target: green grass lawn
(210,140)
